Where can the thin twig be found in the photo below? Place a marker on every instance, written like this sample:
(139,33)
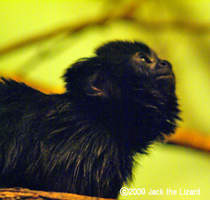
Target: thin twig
(128,13)
(71,29)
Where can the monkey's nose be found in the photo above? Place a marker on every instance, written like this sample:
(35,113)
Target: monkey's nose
(164,64)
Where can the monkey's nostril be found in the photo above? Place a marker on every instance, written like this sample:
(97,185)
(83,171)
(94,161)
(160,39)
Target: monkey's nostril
(163,64)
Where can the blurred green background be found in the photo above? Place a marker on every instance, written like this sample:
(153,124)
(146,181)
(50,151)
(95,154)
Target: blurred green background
(39,39)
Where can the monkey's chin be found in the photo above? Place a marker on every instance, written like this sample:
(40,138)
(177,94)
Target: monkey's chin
(166,83)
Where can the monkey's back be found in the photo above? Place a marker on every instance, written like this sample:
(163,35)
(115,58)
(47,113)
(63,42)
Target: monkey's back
(48,142)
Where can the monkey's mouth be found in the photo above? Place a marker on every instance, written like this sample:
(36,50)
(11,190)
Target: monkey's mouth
(165,76)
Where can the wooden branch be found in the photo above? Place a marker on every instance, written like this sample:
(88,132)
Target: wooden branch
(190,138)
(71,29)
(187,26)
(128,13)
(21,193)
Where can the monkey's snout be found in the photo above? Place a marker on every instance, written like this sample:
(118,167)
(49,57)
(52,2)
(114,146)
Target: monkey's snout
(163,64)
(164,70)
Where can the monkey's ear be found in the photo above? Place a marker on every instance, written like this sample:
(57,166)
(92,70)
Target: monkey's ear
(89,77)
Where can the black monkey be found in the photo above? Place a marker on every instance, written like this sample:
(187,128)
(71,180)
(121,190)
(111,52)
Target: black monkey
(83,141)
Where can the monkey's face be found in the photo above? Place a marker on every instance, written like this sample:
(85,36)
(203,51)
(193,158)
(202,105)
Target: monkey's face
(136,65)
(118,69)
(158,71)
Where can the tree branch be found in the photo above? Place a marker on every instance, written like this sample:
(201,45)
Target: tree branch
(21,193)
(190,138)
(71,29)
(128,13)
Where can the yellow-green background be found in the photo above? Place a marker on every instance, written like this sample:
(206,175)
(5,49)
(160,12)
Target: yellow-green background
(186,47)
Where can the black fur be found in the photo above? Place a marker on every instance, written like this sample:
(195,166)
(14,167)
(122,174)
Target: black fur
(83,141)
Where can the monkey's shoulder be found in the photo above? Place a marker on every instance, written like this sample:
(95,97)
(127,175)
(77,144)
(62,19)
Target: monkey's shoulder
(12,91)
(18,100)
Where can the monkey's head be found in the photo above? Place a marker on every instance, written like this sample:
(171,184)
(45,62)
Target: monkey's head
(120,69)
(129,89)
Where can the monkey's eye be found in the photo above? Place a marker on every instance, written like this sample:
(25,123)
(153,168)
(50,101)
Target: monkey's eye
(144,58)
